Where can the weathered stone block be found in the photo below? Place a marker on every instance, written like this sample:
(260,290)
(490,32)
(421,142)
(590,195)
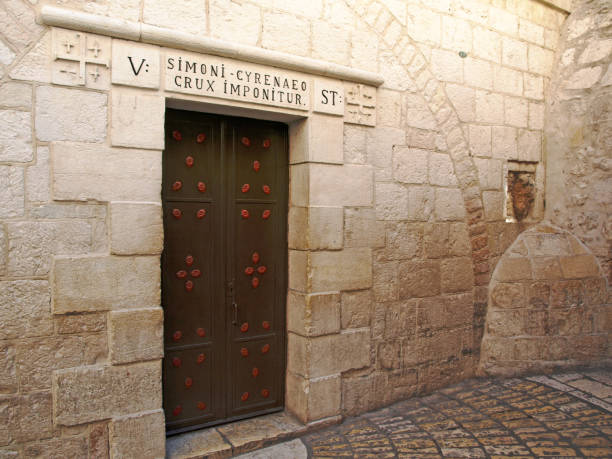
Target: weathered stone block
(441,170)
(325,134)
(80,323)
(546,268)
(325,228)
(456,275)
(464,101)
(356,309)
(16,95)
(391,201)
(57,447)
(312,399)
(8,369)
(314,314)
(348,185)
(274,34)
(241,22)
(137,120)
(87,171)
(37,177)
(328,355)
(513,269)
(419,279)
(478,73)
(505,142)
(480,140)
(94,393)
(410,165)
(385,281)
(11,191)
(190,17)
(579,266)
(506,296)
(37,359)
(529,145)
(380,144)
(493,202)
(514,53)
(348,269)
(421,202)
(489,107)
(449,204)
(400,319)
(354,144)
(15,136)
(138,436)
(70,114)
(32,244)
(136,335)
(403,241)
(101,283)
(515,111)
(25,309)
(136,228)
(26,417)
(361,229)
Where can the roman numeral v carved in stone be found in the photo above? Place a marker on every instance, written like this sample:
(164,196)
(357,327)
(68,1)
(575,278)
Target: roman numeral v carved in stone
(136,72)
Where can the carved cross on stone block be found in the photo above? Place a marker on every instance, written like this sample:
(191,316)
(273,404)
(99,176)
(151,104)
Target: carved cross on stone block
(80,59)
(360,104)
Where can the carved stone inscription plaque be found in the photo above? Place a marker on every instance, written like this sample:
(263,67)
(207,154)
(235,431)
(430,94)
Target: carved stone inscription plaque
(223,78)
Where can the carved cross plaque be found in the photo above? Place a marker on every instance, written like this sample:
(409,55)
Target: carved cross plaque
(80,59)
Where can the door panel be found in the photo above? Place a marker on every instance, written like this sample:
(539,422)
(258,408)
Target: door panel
(223,268)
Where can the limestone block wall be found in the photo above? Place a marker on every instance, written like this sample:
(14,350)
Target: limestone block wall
(394,225)
(548,306)
(579,131)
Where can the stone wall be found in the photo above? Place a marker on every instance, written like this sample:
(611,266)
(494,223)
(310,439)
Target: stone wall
(394,226)
(548,306)
(579,131)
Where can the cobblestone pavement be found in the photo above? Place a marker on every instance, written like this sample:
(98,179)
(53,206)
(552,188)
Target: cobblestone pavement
(564,415)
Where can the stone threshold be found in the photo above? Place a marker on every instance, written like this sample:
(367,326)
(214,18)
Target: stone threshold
(242,436)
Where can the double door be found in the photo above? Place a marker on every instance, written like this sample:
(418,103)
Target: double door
(224,268)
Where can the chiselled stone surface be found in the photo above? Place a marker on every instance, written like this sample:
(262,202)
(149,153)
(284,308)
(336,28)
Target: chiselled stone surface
(136,335)
(70,114)
(15,136)
(11,191)
(89,171)
(98,392)
(136,229)
(137,120)
(26,417)
(347,269)
(26,309)
(141,435)
(100,283)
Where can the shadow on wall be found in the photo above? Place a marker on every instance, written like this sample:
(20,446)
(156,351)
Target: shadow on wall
(547,306)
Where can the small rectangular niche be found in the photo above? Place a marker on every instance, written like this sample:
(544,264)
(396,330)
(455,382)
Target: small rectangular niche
(523,193)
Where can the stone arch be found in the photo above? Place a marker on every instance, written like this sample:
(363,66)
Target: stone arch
(547,306)
(397,38)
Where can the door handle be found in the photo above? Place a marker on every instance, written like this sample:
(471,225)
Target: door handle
(235,312)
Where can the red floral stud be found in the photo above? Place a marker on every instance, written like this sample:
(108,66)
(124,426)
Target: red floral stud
(249,271)
(266,325)
(244,352)
(266,214)
(176,213)
(265,393)
(255,282)
(265,348)
(189,260)
(244,397)
(201,213)
(244,213)
(262,269)
(201,358)
(177,335)
(176,135)
(176,411)
(201,406)
(176,362)
(182,274)
(196,273)
(245,188)
(255,372)
(266,189)
(244,327)
(189,286)
(266,143)
(201,333)
(188,382)
(256,166)
(201,138)
(255,257)
(246,141)
(202,187)
(189,161)
(177,185)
